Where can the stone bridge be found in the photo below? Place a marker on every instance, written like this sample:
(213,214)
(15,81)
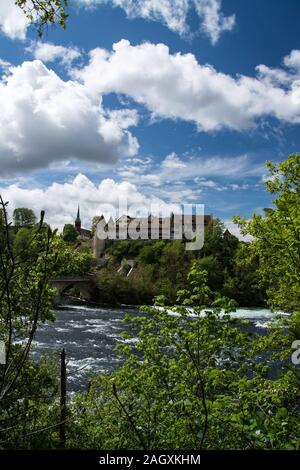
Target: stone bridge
(83,284)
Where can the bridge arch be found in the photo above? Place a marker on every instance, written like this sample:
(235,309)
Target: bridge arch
(84,285)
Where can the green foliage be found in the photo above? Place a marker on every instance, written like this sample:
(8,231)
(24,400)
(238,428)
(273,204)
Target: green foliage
(133,290)
(24,217)
(170,264)
(70,261)
(21,243)
(44,12)
(26,267)
(25,294)
(28,416)
(2,219)
(276,236)
(70,233)
(243,284)
(215,273)
(128,248)
(213,240)
(189,383)
(161,269)
(200,381)
(107,292)
(150,254)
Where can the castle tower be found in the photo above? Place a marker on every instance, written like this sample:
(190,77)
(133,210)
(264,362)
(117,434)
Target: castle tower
(78,221)
(98,243)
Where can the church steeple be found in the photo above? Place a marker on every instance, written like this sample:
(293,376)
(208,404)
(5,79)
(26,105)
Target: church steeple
(78,221)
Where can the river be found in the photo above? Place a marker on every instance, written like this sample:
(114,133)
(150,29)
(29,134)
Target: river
(90,334)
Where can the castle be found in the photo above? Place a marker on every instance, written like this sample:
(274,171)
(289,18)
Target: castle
(151,227)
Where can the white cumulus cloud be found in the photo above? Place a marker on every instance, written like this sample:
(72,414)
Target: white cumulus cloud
(48,52)
(177,86)
(174,14)
(13,22)
(293,60)
(45,119)
(213,21)
(60,200)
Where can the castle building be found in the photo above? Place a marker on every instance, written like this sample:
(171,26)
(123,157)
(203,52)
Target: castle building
(152,228)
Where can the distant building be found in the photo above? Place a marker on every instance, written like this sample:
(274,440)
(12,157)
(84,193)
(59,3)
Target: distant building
(151,227)
(159,228)
(227,234)
(229,237)
(83,232)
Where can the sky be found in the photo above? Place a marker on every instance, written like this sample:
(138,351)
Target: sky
(167,102)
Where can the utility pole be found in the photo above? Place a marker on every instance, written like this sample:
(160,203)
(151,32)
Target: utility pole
(63,399)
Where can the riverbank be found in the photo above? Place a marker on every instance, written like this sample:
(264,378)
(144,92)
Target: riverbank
(72,300)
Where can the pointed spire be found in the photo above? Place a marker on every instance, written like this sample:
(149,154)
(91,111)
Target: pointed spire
(78,221)
(78,214)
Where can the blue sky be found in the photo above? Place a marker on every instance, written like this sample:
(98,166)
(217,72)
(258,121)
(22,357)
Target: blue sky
(167,102)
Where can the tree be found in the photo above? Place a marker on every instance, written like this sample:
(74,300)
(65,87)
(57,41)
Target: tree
(44,12)
(188,382)
(243,283)
(214,271)
(25,294)
(2,221)
(2,228)
(213,240)
(26,266)
(276,236)
(70,233)
(68,260)
(24,217)
(151,253)
(21,242)
(276,244)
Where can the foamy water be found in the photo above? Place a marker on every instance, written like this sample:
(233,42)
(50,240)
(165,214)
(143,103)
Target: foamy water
(90,334)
